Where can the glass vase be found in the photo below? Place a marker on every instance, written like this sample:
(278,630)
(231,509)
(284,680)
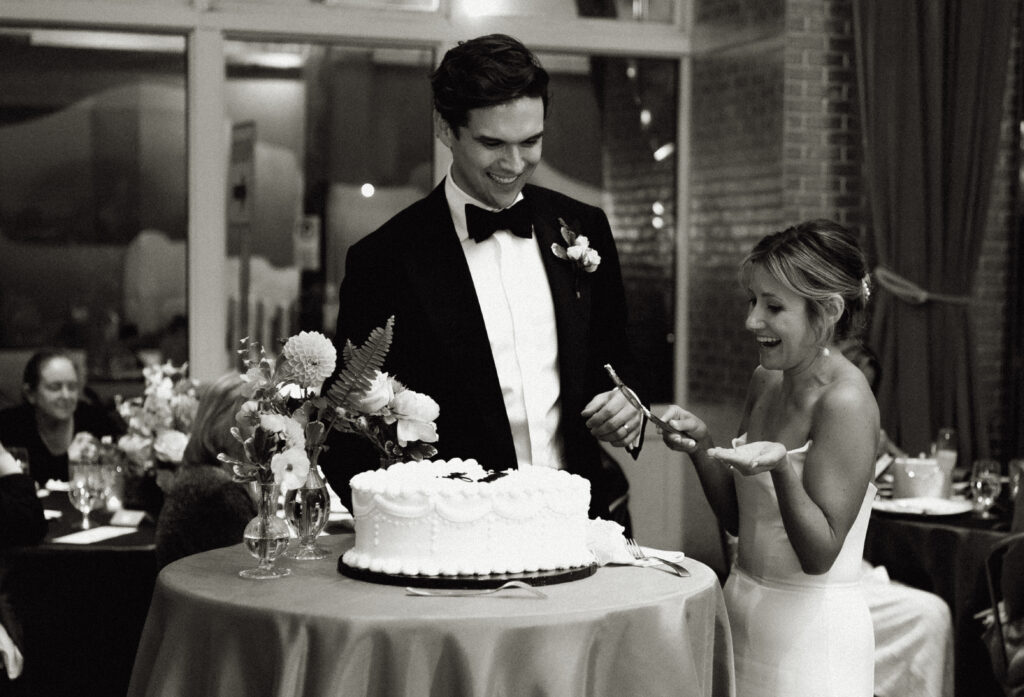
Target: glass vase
(266,536)
(307,510)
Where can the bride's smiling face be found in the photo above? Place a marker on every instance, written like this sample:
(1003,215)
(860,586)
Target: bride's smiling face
(779,321)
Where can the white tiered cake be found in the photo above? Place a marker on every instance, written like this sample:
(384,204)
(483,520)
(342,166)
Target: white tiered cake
(453,518)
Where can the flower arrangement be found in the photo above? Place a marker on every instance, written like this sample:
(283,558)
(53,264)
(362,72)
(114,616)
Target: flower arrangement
(160,420)
(288,419)
(578,251)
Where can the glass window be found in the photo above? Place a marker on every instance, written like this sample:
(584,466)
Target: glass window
(418,5)
(343,141)
(660,11)
(610,140)
(93,196)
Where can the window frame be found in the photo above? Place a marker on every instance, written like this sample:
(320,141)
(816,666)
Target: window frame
(208,24)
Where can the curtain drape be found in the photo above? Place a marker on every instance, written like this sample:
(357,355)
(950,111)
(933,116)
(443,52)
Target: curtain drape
(932,75)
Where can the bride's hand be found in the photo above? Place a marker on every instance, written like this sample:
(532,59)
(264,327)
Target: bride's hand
(679,418)
(751,458)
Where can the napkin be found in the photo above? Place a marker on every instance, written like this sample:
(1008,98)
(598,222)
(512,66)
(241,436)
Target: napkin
(57,485)
(88,537)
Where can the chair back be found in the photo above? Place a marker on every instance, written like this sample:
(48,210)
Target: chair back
(1005,637)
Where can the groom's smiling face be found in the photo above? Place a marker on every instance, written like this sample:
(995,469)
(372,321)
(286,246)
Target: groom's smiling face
(495,153)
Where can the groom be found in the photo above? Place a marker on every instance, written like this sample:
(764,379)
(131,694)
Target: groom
(508,334)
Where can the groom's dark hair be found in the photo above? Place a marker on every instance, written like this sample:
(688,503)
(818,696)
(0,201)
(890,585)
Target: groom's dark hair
(483,72)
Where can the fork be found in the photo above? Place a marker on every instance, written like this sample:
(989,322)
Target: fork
(511,585)
(637,552)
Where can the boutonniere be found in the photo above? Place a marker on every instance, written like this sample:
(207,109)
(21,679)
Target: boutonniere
(577,251)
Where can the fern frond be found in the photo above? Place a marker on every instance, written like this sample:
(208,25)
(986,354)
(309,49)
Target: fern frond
(362,364)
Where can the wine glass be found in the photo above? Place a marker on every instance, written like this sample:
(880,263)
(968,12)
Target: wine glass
(986,483)
(87,490)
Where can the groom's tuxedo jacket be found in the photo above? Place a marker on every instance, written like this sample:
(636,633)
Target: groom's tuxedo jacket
(413,267)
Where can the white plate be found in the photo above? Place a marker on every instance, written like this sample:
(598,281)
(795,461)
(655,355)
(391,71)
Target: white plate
(923,506)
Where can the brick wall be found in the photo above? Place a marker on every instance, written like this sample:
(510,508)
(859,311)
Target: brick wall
(641,207)
(736,187)
(776,139)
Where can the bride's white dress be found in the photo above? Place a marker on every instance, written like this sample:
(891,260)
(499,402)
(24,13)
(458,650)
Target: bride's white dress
(794,634)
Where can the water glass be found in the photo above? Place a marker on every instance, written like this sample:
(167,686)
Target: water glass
(986,483)
(88,490)
(945,455)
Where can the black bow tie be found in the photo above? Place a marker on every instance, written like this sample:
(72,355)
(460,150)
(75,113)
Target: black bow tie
(482,223)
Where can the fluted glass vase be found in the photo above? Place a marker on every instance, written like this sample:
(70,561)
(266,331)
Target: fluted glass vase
(307,509)
(266,536)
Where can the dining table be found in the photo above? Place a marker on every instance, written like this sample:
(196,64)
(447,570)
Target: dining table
(621,630)
(944,551)
(81,598)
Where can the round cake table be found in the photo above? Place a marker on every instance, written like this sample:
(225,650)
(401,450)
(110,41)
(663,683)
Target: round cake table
(623,630)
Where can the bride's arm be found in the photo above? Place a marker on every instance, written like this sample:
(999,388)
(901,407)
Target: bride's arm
(819,509)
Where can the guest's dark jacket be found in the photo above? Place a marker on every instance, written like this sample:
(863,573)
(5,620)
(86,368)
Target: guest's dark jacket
(204,509)
(21,514)
(413,267)
(18,428)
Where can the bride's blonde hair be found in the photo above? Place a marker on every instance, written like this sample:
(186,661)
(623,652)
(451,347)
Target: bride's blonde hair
(816,260)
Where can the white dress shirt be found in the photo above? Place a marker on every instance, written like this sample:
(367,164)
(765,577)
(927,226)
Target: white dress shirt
(519,313)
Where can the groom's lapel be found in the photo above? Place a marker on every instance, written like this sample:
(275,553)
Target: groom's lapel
(441,280)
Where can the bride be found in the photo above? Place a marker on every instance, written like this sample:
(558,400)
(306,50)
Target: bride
(795,486)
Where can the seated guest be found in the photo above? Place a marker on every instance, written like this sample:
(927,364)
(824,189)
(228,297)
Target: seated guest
(203,507)
(51,414)
(21,523)
(21,514)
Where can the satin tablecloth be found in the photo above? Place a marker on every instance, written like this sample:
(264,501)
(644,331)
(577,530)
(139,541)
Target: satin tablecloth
(946,556)
(621,631)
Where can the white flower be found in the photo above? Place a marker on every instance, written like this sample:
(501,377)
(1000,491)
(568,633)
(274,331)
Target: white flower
(248,414)
(380,394)
(169,445)
(415,414)
(290,468)
(138,448)
(285,427)
(311,357)
(577,250)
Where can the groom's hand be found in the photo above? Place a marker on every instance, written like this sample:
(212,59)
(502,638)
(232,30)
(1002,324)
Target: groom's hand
(612,419)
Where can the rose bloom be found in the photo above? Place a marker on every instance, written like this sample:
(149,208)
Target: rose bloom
(380,394)
(169,446)
(290,468)
(415,414)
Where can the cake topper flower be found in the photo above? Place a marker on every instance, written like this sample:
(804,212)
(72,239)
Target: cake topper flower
(578,251)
